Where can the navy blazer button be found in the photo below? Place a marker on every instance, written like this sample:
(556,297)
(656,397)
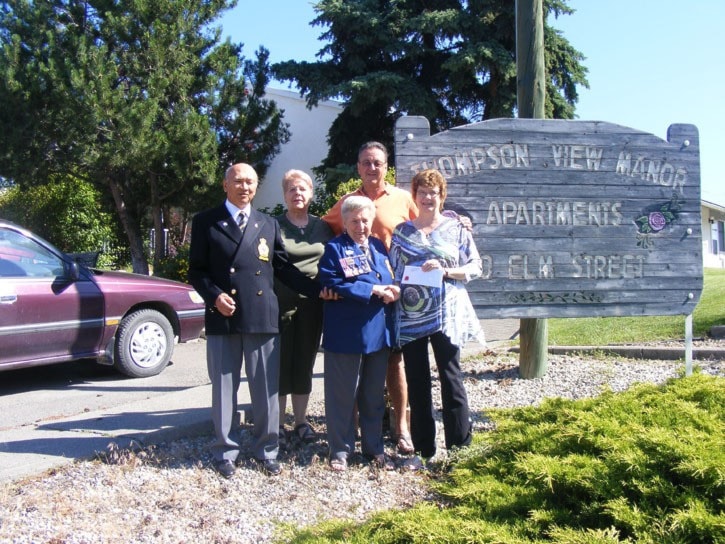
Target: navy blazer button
(259,293)
(233,291)
(259,272)
(232,270)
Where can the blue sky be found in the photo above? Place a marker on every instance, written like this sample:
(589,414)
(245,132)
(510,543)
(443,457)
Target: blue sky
(651,63)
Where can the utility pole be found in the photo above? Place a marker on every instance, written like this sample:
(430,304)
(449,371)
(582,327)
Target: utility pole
(530,96)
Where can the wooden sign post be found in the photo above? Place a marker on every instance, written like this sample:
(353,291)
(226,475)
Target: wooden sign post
(572,218)
(530,103)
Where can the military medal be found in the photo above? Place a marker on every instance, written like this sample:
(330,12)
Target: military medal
(263,250)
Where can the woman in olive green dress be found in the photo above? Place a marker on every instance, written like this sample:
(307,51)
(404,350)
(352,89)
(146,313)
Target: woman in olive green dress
(304,237)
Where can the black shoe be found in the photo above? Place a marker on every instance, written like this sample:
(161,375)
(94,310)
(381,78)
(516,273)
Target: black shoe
(271,467)
(225,468)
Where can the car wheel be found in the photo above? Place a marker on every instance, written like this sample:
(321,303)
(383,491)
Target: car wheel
(144,343)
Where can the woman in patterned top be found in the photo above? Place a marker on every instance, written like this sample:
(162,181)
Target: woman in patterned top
(433,257)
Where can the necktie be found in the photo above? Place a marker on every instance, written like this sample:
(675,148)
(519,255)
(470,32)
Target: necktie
(242,220)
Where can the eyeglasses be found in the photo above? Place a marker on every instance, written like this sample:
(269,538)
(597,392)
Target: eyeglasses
(431,194)
(370,164)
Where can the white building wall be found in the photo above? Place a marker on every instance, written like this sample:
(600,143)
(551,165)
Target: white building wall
(713,224)
(307,146)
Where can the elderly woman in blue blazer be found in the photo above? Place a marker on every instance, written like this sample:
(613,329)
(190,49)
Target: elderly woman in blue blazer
(358,332)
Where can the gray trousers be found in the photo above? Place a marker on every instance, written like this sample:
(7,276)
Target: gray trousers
(260,353)
(350,377)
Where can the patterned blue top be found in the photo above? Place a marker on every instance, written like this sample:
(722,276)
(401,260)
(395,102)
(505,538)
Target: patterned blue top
(424,310)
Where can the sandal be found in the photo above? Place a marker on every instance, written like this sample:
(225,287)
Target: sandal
(338,465)
(305,433)
(405,444)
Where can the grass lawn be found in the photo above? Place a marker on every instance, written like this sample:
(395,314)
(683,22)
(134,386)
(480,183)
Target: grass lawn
(600,331)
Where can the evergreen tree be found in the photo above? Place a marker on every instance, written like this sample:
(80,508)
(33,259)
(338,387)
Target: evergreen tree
(141,98)
(451,61)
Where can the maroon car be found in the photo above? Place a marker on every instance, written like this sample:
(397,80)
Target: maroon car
(53,309)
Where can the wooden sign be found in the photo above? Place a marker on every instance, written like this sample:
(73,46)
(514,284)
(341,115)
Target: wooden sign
(571,218)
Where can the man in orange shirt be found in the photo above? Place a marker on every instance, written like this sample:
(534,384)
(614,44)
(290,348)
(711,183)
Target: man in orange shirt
(393,206)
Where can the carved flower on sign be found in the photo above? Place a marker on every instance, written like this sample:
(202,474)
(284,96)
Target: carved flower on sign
(655,219)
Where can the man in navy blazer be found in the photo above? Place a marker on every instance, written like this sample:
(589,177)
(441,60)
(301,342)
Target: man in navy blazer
(236,251)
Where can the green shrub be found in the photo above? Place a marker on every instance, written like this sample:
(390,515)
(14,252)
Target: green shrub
(175,266)
(645,466)
(67,213)
(324,201)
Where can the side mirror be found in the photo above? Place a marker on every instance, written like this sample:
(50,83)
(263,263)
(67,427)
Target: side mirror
(74,271)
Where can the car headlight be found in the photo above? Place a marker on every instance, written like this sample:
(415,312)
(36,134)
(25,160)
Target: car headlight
(196,297)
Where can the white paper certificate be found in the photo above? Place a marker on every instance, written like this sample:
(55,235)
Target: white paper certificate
(415,275)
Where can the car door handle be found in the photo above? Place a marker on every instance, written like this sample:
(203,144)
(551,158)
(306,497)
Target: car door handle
(8,299)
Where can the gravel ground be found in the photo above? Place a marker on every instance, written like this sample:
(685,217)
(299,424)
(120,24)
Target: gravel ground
(168,493)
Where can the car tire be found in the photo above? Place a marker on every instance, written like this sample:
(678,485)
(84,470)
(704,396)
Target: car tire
(144,344)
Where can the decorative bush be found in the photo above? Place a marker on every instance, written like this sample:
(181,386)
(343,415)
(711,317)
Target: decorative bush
(67,213)
(644,466)
(175,266)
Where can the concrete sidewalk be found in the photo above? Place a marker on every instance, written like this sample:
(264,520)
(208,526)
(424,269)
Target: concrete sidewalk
(31,450)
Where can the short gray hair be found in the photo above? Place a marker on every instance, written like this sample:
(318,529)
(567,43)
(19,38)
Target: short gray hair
(354,203)
(294,174)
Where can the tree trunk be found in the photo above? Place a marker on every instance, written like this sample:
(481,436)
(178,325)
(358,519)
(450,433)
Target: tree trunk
(184,226)
(131,228)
